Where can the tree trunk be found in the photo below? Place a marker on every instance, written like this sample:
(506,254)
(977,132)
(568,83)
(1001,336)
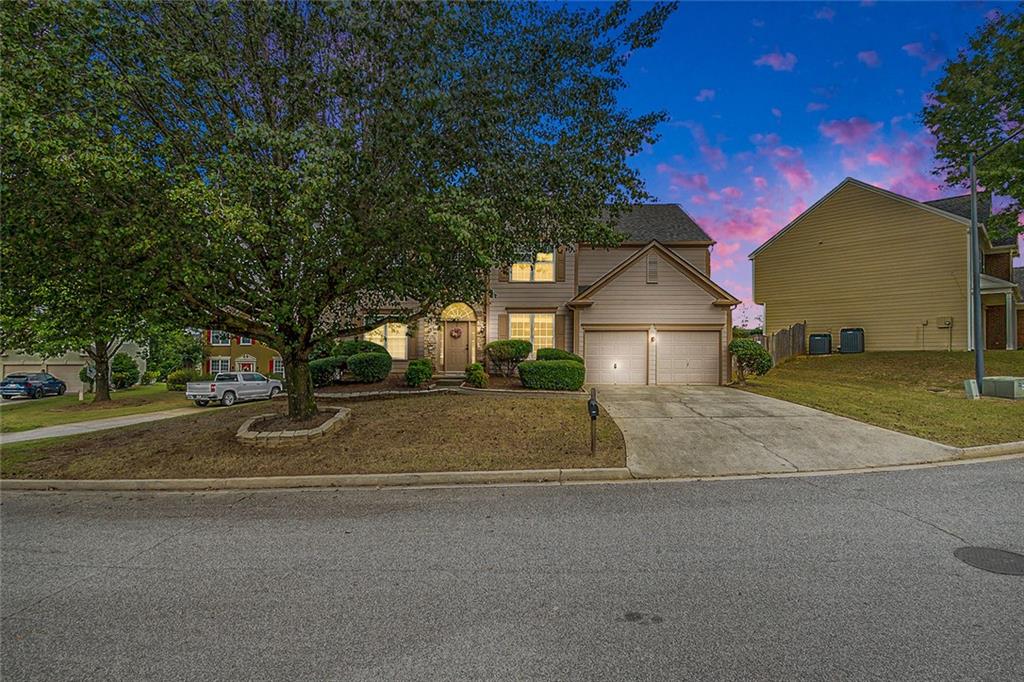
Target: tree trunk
(299,383)
(101,357)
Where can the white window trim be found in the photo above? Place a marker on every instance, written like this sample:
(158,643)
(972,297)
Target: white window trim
(652,268)
(244,340)
(533,270)
(217,343)
(273,366)
(217,358)
(533,336)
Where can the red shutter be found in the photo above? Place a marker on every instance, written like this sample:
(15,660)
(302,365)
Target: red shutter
(208,361)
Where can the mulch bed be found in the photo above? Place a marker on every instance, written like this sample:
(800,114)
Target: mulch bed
(394,382)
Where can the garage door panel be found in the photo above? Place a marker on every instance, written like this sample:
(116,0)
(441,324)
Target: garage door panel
(22,369)
(688,357)
(616,357)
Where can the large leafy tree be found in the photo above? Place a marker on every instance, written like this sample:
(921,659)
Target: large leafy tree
(324,167)
(74,263)
(978,104)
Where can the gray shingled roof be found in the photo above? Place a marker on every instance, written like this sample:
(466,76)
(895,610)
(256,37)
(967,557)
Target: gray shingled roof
(664,222)
(961,206)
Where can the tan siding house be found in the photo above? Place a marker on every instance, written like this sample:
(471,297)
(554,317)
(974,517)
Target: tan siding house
(865,257)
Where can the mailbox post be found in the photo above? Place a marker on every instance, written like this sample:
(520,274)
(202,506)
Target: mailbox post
(592,409)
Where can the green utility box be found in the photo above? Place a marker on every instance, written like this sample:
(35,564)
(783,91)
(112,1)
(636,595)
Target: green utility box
(1003,387)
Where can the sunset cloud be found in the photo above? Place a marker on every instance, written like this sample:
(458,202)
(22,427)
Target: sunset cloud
(869,58)
(825,14)
(732,192)
(679,179)
(777,61)
(816,106)
(760,183)
(705,95)
(932,55)
(850,131)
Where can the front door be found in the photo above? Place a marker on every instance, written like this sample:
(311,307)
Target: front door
(456,346)
(246,367)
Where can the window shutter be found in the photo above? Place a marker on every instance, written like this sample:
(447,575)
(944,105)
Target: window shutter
(503,326)
(502,274)
(560,264)
(560,332)
(652,269)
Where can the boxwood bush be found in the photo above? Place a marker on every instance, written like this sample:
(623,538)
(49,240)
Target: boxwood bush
(557,354)
(552,375)
(476,376)
(369,367)
(419,372)
(351,347)
(177,379)
(324,371)
(505,354)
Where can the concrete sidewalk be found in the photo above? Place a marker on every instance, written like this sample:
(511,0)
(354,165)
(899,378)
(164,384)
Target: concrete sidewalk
(716,431)
(94,425)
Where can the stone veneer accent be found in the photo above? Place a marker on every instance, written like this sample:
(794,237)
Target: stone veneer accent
(272,439)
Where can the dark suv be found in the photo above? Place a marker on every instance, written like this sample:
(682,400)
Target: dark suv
(34,385)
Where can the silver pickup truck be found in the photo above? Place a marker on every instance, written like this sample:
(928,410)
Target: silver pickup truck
(229,387)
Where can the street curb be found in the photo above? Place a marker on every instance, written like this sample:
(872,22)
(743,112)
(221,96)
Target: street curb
(1011,448)
(327,481)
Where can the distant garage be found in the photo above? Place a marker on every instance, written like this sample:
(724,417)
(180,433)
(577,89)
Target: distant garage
(670,357)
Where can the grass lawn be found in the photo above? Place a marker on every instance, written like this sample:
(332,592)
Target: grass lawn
(916,392)
(22,414)
(427,433)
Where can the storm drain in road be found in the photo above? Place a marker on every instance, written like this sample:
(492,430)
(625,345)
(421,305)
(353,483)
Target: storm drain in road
(992,560)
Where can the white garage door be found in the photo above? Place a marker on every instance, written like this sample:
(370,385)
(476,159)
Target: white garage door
(688,357)
(68,374)
(616,357)
(22,369)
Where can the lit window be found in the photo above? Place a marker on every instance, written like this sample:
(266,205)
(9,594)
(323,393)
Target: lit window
(278,366)
(244,341)
(542,269)
(393,337)
(218,338)
(537,328)
(220,365)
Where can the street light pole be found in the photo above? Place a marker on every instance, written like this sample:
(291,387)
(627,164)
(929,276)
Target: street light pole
(979,350)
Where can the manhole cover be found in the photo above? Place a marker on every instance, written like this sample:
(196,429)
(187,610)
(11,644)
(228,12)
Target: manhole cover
(992,560)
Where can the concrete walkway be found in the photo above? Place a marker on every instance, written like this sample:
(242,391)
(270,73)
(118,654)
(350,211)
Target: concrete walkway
(715,431)
(94,425)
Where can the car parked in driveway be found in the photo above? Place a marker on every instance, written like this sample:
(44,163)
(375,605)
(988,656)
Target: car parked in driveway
(34,385)
(229,387)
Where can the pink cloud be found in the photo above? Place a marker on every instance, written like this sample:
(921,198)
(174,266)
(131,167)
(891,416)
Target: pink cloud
(816,106)
(705,95)
(850,131)
(679,179)
(760,138)
(727,248)
(869,58)
(795,173)
(776,112)
(739,222)
(932,56)
(712,154)
(732,192)
(777,61)
(825,14)
(760,183)
(786,152)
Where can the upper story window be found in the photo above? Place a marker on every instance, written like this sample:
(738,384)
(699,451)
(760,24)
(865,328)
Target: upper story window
(542,269)
(392,336)
(244,341)
(652,269)
(219,338)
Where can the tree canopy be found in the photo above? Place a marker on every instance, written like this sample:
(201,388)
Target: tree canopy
(310,170)
(978,102)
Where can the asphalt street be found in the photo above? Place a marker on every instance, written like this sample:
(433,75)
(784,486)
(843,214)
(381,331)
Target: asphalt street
(827,577)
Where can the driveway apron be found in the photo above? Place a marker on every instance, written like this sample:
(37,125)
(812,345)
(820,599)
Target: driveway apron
(717,431)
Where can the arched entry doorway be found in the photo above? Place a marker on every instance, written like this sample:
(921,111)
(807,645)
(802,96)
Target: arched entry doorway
(458,326)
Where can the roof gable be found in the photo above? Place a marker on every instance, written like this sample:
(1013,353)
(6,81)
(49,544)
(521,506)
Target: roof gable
(722,297)
(662,222)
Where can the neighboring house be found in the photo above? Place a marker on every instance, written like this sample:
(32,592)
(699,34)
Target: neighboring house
(224,352)
(65,367)
(1018,279)
(898,268)
(645,312)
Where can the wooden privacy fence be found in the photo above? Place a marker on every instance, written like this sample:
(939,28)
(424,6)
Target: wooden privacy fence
(786,343)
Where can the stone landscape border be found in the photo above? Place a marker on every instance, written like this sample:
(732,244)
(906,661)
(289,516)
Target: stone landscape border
(272,439)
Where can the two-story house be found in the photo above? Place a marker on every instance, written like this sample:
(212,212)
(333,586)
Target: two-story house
(645,312)
(865,257)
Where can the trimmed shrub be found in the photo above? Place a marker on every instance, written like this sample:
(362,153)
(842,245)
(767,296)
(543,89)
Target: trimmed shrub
(356,346)
(476,376)
(751,358)
(124,371)
(419,372)
(83,376)
(324,371)
(275,376)
(370,367)
(557,354)
(177,379)
(506,354)
(552,375)
(149,377)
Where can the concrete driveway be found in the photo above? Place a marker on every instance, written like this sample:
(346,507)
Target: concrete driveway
(716,431)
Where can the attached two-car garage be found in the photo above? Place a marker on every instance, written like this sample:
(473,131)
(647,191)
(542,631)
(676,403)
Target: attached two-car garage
(653,357)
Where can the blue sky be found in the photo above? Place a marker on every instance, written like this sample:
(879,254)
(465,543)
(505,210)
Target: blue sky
(772,104)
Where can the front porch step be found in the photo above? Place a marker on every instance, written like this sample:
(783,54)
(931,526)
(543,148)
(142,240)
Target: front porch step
(449,380)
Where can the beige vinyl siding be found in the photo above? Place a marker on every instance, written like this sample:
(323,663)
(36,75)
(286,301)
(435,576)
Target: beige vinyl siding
(863,259)
(595,262)
(526,296)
